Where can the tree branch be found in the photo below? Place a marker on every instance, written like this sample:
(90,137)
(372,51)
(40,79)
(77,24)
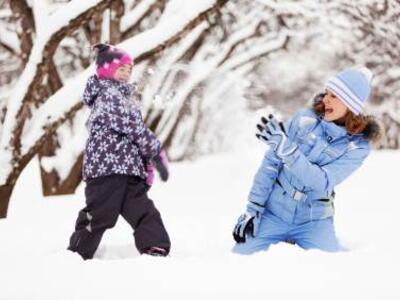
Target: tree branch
(23,12)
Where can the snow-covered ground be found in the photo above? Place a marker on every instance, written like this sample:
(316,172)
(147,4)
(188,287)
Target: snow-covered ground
(200,205)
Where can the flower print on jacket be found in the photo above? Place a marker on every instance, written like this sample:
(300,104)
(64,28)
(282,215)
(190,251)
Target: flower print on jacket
(119,141)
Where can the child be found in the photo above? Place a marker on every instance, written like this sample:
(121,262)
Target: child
(293,191)
(118,162)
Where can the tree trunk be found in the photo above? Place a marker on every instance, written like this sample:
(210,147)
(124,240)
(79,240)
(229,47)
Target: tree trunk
(7,189)
(23,12)
(5,195)
(52,185)
(117,11)
(50,180)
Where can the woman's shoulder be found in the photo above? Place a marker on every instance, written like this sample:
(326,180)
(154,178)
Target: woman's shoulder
(358,141)
(306,114)
(303,119)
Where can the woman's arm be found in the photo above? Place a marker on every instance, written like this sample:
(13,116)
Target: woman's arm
(313,176)
(264,179)
(325,177)
(269,170)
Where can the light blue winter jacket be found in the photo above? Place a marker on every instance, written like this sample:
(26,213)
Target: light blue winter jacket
(300,190)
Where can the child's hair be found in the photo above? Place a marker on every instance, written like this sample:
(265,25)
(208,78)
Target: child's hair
(354,123)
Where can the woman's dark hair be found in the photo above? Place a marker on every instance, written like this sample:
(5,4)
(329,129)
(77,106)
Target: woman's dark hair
(354,123)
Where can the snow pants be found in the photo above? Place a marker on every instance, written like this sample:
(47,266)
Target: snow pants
(318,234)
(107,198)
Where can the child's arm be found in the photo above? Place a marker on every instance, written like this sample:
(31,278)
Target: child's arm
(91,91)
(112,112)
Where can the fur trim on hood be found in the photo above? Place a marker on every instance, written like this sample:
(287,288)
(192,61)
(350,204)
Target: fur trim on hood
(373,132)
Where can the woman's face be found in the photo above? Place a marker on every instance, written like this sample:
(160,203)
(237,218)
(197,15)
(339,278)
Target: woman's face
(334,107)
(123,73)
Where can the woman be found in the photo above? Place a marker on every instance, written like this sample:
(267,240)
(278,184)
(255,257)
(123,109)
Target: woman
(292,195)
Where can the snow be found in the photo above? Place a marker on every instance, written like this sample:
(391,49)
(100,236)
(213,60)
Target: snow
(199,206)
(164,67)
(394,72)
(40,14)
(55,108)
(256,51)
(306,8)
(8,38)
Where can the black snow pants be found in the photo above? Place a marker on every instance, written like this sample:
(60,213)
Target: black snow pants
(108,197)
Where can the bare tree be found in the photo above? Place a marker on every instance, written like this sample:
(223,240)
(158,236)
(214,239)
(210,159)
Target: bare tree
(32,116)
(194,82)
(74,47)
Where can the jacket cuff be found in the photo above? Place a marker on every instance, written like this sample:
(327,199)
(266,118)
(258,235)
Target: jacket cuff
(255,207)
(291,159)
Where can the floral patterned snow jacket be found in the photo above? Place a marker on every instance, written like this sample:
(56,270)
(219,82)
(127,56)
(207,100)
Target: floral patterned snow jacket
(119,142)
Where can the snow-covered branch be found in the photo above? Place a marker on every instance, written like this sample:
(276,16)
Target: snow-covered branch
(135,16)
(42,51)
(139,46)
(37,80)
(277,42)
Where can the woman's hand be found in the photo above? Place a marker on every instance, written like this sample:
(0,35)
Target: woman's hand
(248,223)
(273,133)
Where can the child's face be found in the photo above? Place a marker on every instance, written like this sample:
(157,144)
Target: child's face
(334,107)
(123,73)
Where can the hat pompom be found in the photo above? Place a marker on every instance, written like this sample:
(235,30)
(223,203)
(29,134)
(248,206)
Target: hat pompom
(367,73)
(100,47)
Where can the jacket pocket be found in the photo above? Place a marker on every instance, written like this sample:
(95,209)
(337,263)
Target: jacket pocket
(322,209)
(329,154)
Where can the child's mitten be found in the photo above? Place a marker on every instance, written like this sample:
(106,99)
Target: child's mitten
(160,162)
(150,174)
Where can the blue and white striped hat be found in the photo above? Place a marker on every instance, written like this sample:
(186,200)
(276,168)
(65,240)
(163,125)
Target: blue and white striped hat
(352,86)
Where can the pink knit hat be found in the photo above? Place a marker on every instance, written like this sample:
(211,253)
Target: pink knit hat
(109,59)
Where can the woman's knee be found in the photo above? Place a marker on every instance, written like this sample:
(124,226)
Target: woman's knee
(328,243)
(250,246)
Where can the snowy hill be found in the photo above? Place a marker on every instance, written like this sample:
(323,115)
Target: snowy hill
(200,205)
